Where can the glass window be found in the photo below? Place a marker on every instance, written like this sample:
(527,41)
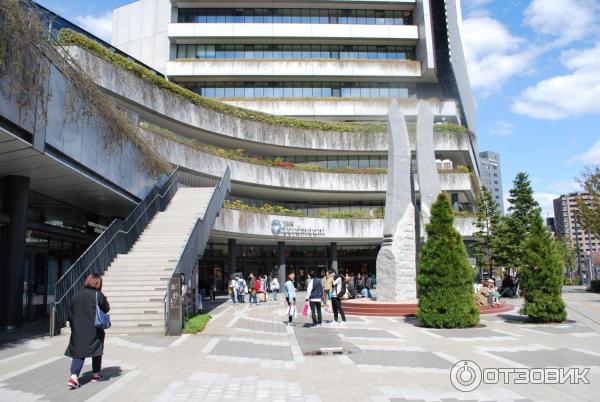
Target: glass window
(220,51)
(287,15)
(380,17)
(200,51)
(238,15)
(219,92)
(305,16)
(221,15)
(229,51)
(370,14)
(239,92)
(248,15)
(314,16)
(306,51)
(248,52)
(333,16)
(210,51)
(287,51)
(323,16)
(361,17)
(268,16)
(239,51)
(181,49)
(191,51)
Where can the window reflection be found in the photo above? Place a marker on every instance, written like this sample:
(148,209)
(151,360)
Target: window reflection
(294,16)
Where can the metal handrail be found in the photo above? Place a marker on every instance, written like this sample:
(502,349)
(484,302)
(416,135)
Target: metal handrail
(198,239)
(118,238)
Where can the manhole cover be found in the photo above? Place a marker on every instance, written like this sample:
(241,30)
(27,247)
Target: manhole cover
(329,351)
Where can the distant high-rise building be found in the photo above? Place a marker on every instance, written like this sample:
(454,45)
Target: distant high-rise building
(551,223)
(568,226)
(491,176)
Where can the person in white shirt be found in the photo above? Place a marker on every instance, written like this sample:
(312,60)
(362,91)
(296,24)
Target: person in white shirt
(339,289)
(274,287)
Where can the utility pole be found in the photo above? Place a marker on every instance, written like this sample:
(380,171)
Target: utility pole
(578,250)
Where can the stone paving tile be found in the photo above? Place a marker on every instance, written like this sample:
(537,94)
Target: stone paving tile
(467,333)
(250,350)
(561,329)
(551,358)
(414,359)
(50,380)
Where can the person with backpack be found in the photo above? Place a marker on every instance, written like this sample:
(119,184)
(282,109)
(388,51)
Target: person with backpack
(314,295)
(242,289)
(233,289)
(290,297)
(87,338)
(339,290)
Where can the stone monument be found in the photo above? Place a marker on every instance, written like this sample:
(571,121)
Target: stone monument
(429,179)
(396,261)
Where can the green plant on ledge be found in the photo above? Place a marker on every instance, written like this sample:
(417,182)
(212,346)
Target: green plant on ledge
(196,323)
(374,213)
(70,37)
(240,155)
(449,128)
(265,209)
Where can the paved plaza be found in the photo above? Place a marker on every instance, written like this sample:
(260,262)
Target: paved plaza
(249,354)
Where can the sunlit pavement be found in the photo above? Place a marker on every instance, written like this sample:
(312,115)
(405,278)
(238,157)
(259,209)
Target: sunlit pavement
(248,353)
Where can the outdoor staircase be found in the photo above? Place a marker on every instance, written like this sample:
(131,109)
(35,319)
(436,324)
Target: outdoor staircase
(136,283)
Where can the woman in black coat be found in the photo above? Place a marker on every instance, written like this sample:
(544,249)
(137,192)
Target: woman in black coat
(86,340)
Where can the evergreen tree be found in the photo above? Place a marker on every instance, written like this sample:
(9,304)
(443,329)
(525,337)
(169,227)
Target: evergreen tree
(589,209)
(513,230)
(445,277)
(486,223)
(541,276)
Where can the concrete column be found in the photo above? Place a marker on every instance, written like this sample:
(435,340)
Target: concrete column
(333,257)
(281,263)
(15,205)
(232,255)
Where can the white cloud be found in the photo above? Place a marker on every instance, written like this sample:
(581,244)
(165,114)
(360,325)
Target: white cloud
(546,203)
(591,156)
(566,22)
(99,25)
(493,54)
(564,186)
(569,95)
(502,129)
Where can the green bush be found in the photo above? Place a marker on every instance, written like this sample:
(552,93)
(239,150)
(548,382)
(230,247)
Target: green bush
(542,276)
(445,277)
(196,323)
(595,286)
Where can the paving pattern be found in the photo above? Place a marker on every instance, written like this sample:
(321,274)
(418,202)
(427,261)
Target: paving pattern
(250,354)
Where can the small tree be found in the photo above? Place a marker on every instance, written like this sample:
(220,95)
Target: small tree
(513,229)
(589,210)
(445,277)
(541,276)
(487,220)
(568,253)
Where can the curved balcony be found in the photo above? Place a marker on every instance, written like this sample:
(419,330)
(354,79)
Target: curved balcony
(406,70)
(253,179)
(238,224)
(233,223)
(175,112)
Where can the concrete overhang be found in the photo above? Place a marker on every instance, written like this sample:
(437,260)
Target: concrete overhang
(188,32)
(371,4)
(309,69)
(54,176)
(345,108)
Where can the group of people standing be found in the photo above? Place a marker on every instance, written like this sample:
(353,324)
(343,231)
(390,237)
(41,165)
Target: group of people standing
(325,290)
(257,288)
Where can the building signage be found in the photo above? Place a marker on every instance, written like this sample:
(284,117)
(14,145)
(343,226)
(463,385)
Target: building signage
(280,227)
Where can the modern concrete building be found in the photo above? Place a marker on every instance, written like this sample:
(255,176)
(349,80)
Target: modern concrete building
(301,195)
(316,59)
(568,226)
(491,176)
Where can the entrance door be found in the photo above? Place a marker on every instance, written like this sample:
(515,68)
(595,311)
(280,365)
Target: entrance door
(38,286)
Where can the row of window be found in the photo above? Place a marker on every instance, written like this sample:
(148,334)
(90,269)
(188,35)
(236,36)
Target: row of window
(241,51)
(296,89)
(294,16)
(340,161)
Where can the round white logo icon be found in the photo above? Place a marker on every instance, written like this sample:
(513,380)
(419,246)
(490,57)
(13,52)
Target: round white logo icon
(465,375)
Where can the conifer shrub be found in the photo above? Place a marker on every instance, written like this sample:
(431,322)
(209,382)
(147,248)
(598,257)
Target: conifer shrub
(542,276)
(445,277)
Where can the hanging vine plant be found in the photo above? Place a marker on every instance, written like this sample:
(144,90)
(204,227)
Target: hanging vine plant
(27,55)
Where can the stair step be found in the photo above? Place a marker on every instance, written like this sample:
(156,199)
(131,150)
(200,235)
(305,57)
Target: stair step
(121,330)
(129,298)
(140,317)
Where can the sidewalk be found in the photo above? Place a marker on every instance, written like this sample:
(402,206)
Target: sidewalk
(247,353)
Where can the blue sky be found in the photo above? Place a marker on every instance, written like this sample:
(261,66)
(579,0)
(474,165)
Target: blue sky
(534,67)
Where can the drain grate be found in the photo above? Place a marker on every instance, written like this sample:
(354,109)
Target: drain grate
(329,351)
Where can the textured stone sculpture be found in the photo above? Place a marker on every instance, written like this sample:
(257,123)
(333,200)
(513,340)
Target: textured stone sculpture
(396,261)
(429,180)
